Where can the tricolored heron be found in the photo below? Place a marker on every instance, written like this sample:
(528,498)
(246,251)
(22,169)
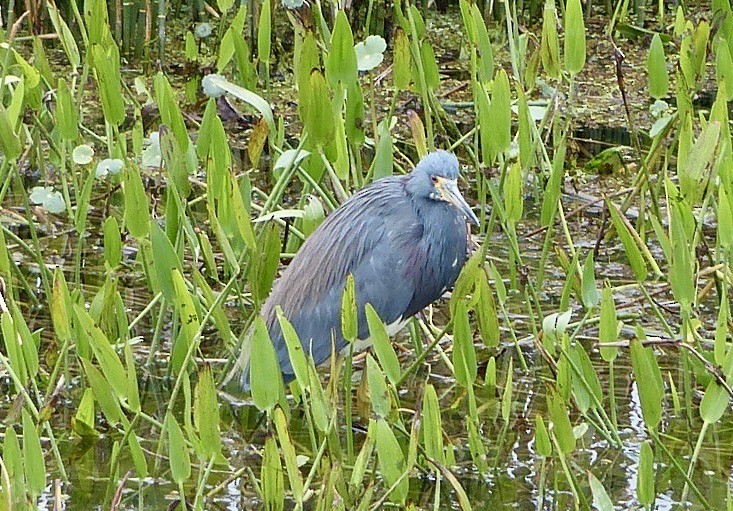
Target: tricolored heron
(403,238)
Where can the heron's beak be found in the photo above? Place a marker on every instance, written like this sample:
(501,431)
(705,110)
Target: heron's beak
(450,193)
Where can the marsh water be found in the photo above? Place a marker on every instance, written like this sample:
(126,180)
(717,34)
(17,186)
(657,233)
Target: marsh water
(519,477)
(513,480)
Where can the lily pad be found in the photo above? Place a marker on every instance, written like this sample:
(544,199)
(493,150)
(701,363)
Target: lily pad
(203,30)
(293,4)
(370,52)
(210,87)
(658,108)
(82,154)
(108,166)
(51,200)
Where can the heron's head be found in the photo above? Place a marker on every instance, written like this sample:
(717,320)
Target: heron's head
(436,178)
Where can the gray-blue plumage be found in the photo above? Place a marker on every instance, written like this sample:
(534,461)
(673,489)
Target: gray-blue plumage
(404,240)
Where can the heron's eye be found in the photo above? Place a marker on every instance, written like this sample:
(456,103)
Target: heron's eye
(434,179)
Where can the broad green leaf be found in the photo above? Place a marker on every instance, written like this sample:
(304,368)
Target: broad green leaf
(700,48)
(681,273)
(295,349)
(714,403)
(319,407)
(646,475)
(601,500)
(341,61)
(656,66)
(500,114)
(648,382)
(29,342)
(264,33)
(206,412)
(477,444)
(305,61)
(724,68)
(487,316)
(224,5)
(591,386)
(341,165)
(550,44)
(266,260)
(178,457)
(244,221)
(608,327)
(103,393)
(35,467)
(464,352)
(574,37)
(401,60)
(624,230)
(288,453)
(170,113)
(430,66)
(363,460)
(468,23)
(383,159)
(112,242)
(97,21)
(315,109)
(563,430)
(13,460)
(106,61)
(391,460)
(382,345)
(165,259)
(67,116)
(83,421)
(31,75)
(486,62)
(192,49)
(271,477)
(481,99)
(354,117)
(13,346)
(380,396)
(694,174)
(137,455)
(137,208)
(414,12)
(264,374)
(10,145)
(432,426)
(542,437)
(68,41)
(679,21)
(108,359)
(513,192)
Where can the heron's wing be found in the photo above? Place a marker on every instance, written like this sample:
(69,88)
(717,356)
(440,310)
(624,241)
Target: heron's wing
(373,236)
